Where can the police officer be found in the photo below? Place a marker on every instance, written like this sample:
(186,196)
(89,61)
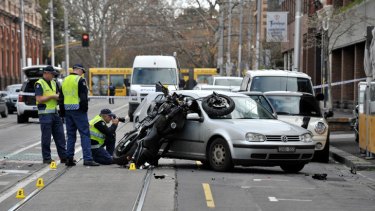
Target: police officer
(102,136)
(47,96)
(74,102)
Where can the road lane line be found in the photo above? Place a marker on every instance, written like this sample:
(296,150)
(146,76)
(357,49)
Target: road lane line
(207,192)
(15,171)
(4,183)
(274,199)
(18,151)
(11,191)
(278,180)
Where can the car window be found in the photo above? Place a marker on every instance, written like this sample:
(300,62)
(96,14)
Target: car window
(295,105)
(262,101)
(280,83)
(246,108)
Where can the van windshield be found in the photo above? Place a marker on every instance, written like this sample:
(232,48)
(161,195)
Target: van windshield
(278,83)
(151,76)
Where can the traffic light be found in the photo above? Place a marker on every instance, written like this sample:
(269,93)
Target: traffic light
(85,40)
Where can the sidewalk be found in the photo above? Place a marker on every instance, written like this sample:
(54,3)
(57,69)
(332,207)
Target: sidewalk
(343,147)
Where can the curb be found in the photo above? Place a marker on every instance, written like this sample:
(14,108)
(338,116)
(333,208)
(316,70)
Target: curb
(353,162)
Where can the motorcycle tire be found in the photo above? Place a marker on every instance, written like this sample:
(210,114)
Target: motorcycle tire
(125,148)
(224,107)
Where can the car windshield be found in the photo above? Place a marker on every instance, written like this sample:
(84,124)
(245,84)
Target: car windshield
(278,83)
(246,108)
(295,105)
(228,82)
(150,76)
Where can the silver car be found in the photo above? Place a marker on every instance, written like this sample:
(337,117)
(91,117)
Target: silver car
(248,136)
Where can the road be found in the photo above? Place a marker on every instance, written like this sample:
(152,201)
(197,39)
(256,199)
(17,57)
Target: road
(175,185)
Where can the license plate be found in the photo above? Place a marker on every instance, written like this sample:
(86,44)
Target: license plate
(287,149)
(35,108)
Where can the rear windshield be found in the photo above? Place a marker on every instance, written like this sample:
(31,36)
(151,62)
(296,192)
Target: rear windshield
(295,105)
(228,82)
(279,83)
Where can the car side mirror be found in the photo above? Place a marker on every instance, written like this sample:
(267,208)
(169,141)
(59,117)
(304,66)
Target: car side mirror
(319,97)
(194,117)
(328,114)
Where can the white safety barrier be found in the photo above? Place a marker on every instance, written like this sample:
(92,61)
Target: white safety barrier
(339,83)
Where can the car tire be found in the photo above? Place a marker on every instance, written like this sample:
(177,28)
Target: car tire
(4,114)
(214,109)
(22,119)
(292,168)
(322,156)
(124,148)
(219,156)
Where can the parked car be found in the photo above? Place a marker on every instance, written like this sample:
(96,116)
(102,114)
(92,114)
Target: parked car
(3,106)
(276,80)
(249,136)
(233,83)
(12,96)
(302,109)
(211,87)
(26,104)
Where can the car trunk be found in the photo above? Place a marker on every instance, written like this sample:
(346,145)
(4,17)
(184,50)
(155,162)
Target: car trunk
(28,95)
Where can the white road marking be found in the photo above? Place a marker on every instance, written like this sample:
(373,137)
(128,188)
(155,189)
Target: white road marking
(277,180)
(20,150)
(11,191)
(4,183)
(299,188)
(15,171)
(366,177)
(274,199)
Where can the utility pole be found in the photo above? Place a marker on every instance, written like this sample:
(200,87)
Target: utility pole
(259,13)
(240,41)
(297,37)
(66,31)
(23,50)
(52,37)
(104,31)
(229,66)
(221,40)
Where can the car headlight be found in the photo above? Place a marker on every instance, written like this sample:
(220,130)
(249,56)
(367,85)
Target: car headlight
(307,137)
(320,128)
(255,137)
(133,93)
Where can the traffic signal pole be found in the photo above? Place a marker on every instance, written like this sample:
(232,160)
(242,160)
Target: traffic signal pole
(66,38)
(52,37)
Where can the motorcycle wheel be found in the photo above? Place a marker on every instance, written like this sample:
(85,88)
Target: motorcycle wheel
(223,106)
(124,149)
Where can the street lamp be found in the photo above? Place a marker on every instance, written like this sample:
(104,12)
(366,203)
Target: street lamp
(324,16)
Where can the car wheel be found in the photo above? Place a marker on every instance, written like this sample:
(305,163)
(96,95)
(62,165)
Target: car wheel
(124,148)
(218,105)
(22,119)
(219,155)
(322,156)
(5,113)
(292,168)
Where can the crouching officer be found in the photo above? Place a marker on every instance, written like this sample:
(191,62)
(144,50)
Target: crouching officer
(102,136)
(47,95)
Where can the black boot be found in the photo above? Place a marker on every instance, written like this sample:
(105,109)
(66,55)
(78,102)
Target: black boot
(70,162)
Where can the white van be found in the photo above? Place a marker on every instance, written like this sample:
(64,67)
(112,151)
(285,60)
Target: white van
(147,71)
(276,80)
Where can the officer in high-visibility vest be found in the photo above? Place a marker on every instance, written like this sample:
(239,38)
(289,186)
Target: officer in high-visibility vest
(74,104)
(47,96)
(102,136)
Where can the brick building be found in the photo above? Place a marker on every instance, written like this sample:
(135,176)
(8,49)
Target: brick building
(346,44)
(10,49)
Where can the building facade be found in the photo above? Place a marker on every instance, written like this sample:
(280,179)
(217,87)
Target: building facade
(345,34)
(10,40)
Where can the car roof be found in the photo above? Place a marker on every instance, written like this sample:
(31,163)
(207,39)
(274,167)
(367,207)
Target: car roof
(16,85)
(228,77)
(205,93)
(287,93)
(288,73)
(252,93)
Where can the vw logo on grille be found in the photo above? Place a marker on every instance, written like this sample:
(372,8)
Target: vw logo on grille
(284,139)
